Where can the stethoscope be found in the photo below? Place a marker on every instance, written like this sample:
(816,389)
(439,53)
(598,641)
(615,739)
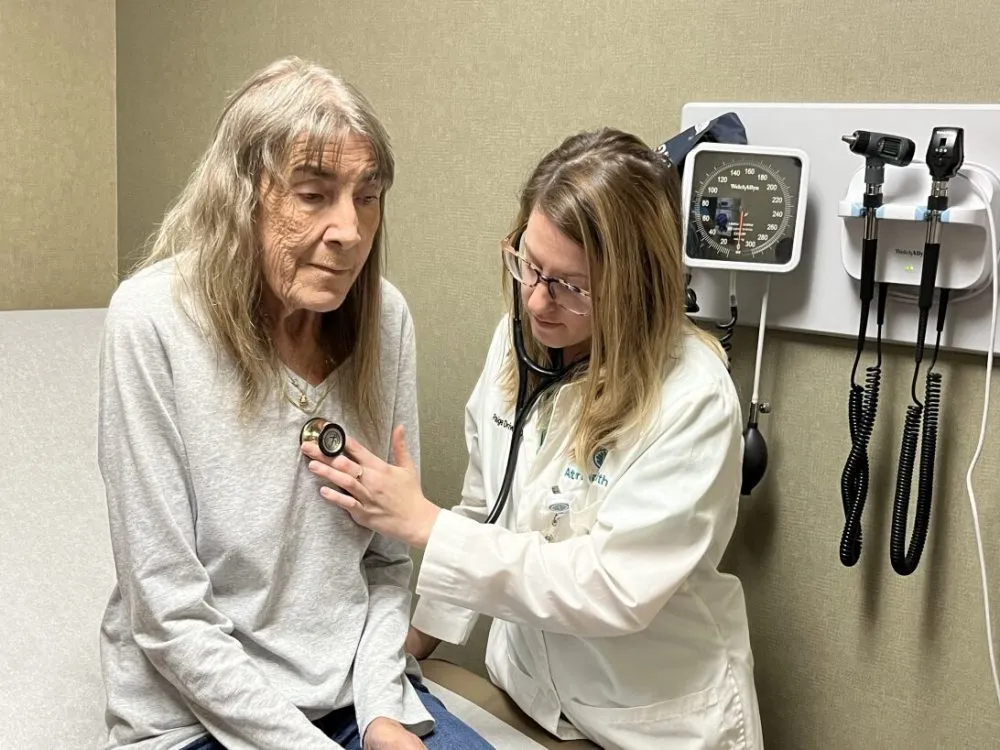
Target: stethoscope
(331,438)
(548,377)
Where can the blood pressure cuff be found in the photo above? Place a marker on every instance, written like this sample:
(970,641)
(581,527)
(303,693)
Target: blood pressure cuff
(726,128)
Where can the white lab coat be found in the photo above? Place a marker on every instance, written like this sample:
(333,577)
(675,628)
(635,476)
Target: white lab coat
(612,615)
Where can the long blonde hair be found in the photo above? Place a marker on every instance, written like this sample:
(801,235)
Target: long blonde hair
(610,193)
(213,223)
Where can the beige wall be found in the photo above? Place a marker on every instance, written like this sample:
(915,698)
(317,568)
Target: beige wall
(473,94)
(57,154)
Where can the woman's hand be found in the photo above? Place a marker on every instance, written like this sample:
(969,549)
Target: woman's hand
(383,497)
(387,734)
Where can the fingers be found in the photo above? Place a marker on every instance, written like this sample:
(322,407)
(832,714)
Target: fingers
(346,480)
(311,450)
(342,463)
(359,453)
(351,504)
(400,453)
(354,452)
(358,456)
(346,466)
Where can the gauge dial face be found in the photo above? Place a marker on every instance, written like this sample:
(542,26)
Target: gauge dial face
(743,207)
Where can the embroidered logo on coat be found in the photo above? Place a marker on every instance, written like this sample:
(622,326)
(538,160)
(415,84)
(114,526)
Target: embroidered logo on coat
(599,455)
(578,476)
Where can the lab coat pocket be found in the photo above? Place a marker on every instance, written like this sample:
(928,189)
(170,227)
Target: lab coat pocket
(697,721)
(523,690)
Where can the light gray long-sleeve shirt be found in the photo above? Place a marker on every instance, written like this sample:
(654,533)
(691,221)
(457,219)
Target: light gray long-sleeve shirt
(246,605)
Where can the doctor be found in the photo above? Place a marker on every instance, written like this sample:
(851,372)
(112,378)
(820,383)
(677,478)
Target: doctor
(612,619)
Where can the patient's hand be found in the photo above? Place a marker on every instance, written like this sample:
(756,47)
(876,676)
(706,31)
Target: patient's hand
(387,734)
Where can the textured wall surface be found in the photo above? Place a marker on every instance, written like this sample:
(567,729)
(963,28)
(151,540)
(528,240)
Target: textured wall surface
(57,154)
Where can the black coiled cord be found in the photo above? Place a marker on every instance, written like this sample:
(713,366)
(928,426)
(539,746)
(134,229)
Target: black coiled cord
(906,559)
(729,328)
(862,407)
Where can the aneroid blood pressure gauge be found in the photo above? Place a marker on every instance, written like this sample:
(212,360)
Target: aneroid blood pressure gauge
(744,207)
(329,436)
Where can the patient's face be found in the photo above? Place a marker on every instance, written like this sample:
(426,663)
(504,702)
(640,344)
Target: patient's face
(316,233)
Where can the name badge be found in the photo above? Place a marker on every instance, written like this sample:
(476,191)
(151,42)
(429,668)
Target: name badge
(558,507)
(556,502)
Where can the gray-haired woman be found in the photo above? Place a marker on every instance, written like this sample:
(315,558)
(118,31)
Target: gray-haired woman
(248,614)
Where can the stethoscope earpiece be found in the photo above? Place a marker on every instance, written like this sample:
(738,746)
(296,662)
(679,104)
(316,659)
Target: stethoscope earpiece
(330,437)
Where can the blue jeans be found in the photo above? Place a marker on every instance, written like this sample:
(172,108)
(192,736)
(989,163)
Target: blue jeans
(341,726)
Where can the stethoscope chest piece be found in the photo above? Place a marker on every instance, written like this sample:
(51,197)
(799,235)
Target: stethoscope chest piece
(329,436)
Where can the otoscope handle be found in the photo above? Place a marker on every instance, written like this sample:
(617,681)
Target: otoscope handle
(869,248)
(928,275)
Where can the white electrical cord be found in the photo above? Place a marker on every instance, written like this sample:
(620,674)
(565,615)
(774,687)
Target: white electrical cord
(991,344)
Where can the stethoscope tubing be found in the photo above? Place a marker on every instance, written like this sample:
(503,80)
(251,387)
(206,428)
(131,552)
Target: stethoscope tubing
(525,403)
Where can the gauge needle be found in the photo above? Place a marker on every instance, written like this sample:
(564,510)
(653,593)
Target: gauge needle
(739,232)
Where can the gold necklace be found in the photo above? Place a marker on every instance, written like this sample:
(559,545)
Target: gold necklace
(303,401)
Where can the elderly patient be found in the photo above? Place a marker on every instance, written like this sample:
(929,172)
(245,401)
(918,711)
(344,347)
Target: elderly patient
(248,612)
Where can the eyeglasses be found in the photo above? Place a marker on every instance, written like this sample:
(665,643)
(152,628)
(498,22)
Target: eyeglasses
(566,295)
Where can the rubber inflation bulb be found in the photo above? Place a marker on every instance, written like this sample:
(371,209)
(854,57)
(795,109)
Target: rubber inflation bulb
(754,458)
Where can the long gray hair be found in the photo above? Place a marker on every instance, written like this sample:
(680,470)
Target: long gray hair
(213,223)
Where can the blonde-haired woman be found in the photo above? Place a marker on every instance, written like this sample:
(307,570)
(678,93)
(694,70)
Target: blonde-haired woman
(612,619)
(246,613)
